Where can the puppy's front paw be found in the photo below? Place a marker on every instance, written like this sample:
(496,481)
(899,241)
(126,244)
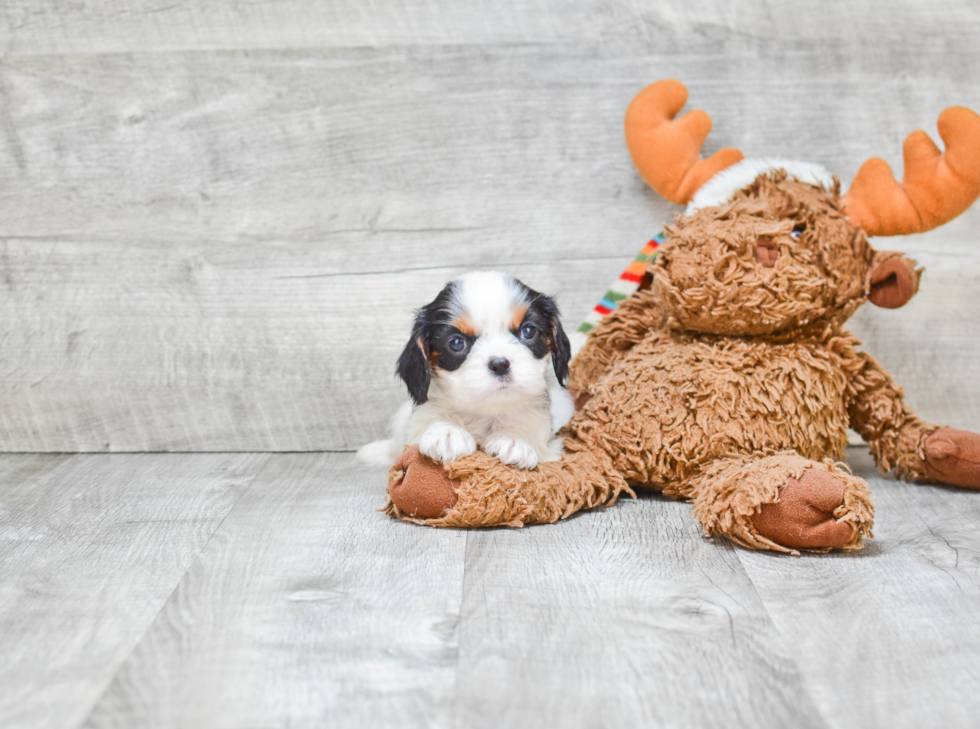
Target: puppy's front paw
(512,451)
(443,442)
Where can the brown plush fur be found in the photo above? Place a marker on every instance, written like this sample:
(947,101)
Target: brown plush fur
(731,383)
(491,493)
(728,494)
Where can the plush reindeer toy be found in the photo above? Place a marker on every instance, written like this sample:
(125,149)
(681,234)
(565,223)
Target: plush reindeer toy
(729,381)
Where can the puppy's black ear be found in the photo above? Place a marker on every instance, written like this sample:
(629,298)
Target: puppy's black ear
(562,353)
(561,349)
(413,365)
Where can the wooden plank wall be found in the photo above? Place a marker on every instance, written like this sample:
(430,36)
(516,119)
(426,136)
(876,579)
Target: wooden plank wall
(216,218)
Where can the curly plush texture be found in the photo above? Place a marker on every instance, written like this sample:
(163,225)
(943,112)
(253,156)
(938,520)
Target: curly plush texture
(729,492)
(717,284)
(731,383)
(508,496)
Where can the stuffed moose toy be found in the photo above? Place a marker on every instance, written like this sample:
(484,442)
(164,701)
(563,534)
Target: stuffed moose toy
(727,379)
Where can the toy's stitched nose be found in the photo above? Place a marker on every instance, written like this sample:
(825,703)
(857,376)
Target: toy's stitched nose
(499,365)
(766,252)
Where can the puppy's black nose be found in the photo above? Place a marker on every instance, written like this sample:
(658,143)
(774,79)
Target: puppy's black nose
(499,365)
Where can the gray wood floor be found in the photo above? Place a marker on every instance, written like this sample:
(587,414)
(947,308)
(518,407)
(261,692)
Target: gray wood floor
(241,590)
(215,221)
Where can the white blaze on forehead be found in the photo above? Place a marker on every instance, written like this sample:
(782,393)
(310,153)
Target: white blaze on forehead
(489,299)
(722,187)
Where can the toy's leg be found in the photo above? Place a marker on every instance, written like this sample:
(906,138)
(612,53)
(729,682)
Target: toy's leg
(478,490)
(953,456)
(783,502)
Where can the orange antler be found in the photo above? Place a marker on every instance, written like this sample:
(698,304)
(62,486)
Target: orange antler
(935,188)
(666,151)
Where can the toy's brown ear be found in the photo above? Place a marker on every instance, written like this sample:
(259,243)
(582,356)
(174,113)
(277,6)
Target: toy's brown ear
(893,281)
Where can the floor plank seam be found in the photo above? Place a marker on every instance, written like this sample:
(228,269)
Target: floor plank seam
(804,682)
(448,267)
(453,711)
(166,601)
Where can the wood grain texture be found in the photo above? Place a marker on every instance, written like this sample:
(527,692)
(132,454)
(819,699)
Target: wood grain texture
(204,207)
(620,617)
(185,590)
(163,25)
(308,608)
(215,221)
(190,239)
(91,547)
(889,636)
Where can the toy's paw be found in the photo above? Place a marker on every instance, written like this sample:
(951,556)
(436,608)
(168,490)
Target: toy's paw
(444,441)
(420,487)
(803,518)
(953,457)
(511,451)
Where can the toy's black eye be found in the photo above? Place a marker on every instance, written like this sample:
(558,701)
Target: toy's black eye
(798,231)
(528,332)
(457,343)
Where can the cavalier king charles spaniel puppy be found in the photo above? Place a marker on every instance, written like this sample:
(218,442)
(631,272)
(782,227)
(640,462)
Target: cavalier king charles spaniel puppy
(486,366)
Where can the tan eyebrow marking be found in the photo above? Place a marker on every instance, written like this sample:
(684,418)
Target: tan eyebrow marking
(465,325)
(519,313)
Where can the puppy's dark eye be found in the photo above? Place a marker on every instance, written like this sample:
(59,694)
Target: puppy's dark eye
(457,343)
(528,332)
(797,231)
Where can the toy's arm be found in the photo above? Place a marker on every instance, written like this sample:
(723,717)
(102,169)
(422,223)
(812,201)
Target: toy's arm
(898,438)
(613,338)
(876,406)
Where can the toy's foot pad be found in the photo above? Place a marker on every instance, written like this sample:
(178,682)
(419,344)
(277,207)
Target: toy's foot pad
(419,487)
(803,518)
(953,457)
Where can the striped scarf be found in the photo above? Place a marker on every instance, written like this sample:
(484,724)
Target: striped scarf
(623,287)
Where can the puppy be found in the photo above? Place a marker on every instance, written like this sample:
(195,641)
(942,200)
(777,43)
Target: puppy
(486,366)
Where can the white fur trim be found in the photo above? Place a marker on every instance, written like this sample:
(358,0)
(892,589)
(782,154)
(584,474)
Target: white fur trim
(722,187)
